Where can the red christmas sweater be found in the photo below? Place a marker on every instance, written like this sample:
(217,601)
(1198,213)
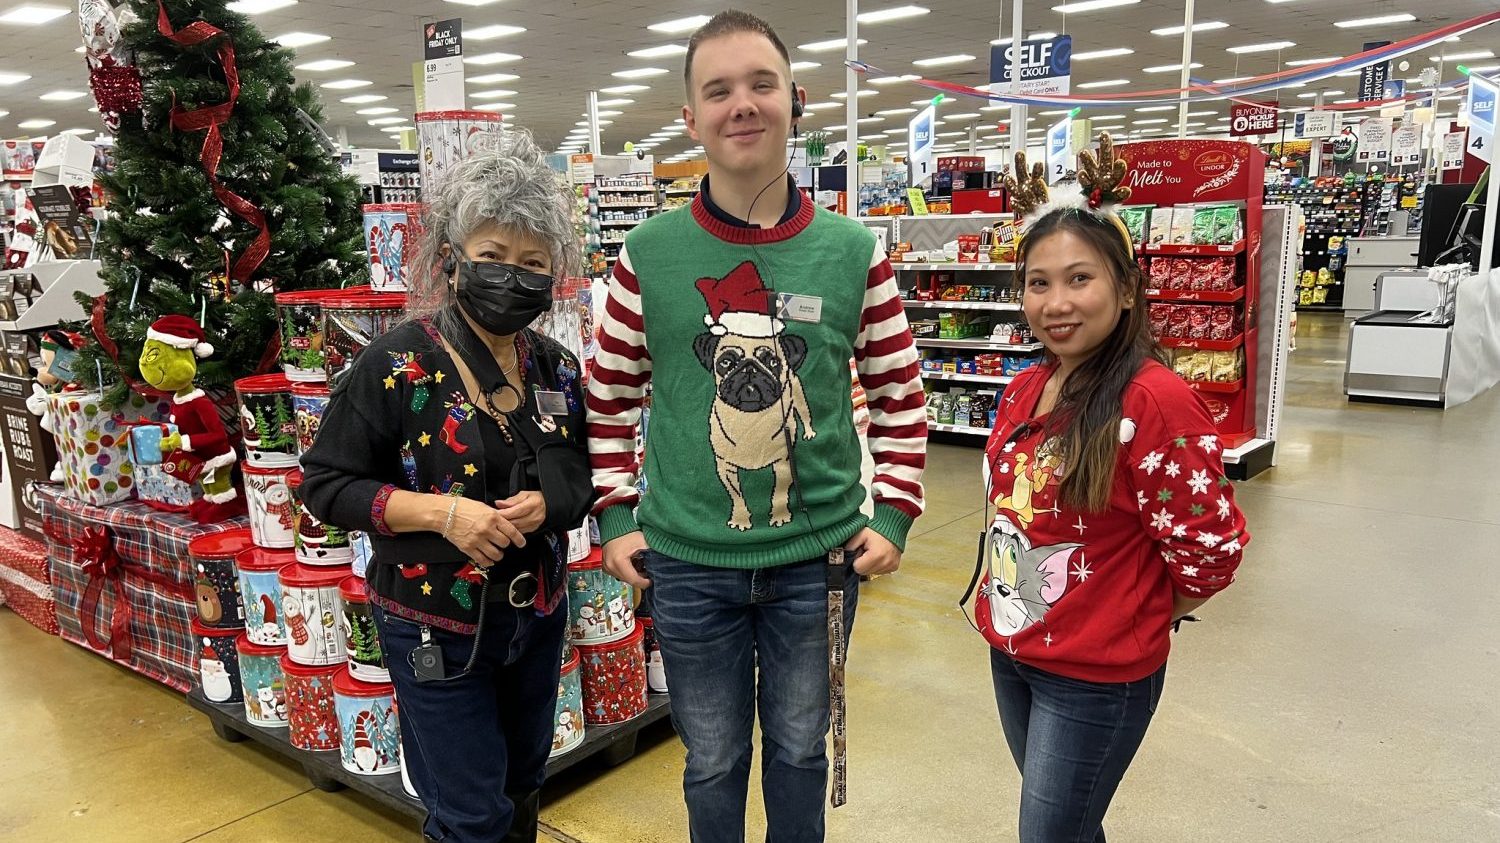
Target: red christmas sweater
(1089,595)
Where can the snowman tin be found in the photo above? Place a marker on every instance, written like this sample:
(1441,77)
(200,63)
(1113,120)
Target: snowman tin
(312,612)
(599,606)
(215,581)
(260,590)
(369,737)
(567,729)
(273,513)
(309,704)
(218,663)
(361,641)
(262,683)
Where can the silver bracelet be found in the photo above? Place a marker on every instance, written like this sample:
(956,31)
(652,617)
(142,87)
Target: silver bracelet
(448,524)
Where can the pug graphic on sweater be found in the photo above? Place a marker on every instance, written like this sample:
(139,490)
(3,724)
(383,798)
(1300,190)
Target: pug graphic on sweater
(758,396)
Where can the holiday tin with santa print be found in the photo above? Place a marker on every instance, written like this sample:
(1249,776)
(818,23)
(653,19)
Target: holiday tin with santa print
(318,543)
(312,611)
(354,319)
(308,402)
(262,682)
(310,705)
(391,230)
(268,423)
(361,641)
(218,662)
(599,606)
(260,589)
(369,737)
(216,583)
(273,512)
(614,680)
(567,729)
(300,315)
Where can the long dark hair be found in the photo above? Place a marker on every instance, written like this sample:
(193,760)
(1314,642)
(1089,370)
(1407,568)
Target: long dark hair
(1087,417)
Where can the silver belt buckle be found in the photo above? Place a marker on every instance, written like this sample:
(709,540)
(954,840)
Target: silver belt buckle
(521,595)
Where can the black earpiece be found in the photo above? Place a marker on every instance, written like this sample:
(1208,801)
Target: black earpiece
(450,264)
(796,102)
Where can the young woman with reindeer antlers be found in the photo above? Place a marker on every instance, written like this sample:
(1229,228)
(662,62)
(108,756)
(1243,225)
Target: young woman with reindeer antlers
(1113,516)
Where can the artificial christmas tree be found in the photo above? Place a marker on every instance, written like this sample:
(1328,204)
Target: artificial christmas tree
(226,190)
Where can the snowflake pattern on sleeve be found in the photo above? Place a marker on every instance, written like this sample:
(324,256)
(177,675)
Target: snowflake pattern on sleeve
(1189,510)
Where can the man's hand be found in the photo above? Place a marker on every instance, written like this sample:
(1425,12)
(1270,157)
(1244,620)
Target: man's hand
(622,559)
(874,554)
(526,510)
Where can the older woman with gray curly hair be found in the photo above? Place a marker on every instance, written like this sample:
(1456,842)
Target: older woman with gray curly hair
(457,442)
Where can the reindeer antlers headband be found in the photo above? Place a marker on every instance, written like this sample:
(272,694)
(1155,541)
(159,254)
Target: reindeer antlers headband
(1099,187)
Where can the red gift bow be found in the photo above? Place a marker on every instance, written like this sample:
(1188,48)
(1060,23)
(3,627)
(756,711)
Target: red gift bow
(95,550)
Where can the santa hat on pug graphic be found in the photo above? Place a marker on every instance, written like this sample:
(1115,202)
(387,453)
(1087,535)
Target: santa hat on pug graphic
(739,304)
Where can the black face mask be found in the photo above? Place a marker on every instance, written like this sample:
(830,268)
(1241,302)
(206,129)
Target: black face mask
(502,298)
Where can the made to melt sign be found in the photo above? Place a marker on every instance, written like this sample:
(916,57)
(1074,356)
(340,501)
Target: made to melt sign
(1254,119)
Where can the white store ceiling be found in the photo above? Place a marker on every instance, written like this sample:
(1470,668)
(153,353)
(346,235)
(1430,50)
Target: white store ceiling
(572,46)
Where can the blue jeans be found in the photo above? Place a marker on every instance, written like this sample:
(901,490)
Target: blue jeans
(1072,741)
(734,642)
(476,748)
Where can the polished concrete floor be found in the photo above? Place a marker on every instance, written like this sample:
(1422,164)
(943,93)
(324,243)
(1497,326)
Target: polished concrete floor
(1344,690)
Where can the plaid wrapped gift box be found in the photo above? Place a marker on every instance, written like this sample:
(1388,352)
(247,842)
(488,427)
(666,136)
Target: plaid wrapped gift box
(124,585)
(24,580)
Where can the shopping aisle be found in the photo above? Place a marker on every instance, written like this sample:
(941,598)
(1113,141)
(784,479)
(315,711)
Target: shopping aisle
(1342,691)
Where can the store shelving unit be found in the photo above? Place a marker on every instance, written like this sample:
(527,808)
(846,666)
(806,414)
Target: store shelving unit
(623,202)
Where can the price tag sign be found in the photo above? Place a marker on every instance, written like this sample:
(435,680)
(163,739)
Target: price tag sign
(1374,140)
(1453,150)
(443,65)
(1406,147)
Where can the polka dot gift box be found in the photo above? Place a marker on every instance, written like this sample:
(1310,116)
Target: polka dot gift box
(93,443)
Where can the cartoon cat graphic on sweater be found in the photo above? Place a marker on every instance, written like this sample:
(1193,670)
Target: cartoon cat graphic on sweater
(1024,581)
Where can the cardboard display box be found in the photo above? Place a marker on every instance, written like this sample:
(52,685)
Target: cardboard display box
(30,452)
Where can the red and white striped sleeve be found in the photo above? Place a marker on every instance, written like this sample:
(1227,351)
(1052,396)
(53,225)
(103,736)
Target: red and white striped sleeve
(617,390)
(887,361)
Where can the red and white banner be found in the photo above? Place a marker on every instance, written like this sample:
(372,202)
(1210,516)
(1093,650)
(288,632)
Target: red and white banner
(1248,118)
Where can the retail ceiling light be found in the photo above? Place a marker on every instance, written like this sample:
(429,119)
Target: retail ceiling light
(1378,20)
(1091,6)
(961,133)
(614,102)
(1035,36)
(376,111)
(869,120)
(1204,26)
(386,121)
(640,73)
(892,80)
(255,7)
(473,2)
(1055,113)
(32,15)
(76,132)
(967,115)
(894,112)
(1152,121)
(1103,54)
(658,52)
(1474,54)
(1306,62)
(496,30)
(492,79)
(323,65)
(1107,83)
(492,58)
(1312,94)
(895,13)
(37,124)
(585,123)
(895,131)
(1231,80)
(680,24)
(625,89)
(498,106)
(818,106)
(1489,68)
(346,84)
(1202,113)
(1167,68)
(361,99)
(1000,107)
(843,95)
(1267,47)
(829,45)
(498,93)
(293,40)
(1106,117)
(62,96)
(940,61)
(806,65)
(13,78)
(605,113)
(1157,108)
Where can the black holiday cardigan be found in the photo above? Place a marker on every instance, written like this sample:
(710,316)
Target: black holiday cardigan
(401,418)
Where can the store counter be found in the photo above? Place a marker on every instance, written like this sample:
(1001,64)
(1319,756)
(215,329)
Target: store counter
(1368,259)
(1394,357)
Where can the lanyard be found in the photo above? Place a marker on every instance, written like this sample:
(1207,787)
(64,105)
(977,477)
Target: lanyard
(838,644)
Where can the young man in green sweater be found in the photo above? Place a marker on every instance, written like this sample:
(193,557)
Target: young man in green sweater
(742,311)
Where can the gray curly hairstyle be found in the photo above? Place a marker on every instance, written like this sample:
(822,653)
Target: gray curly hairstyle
(505,180)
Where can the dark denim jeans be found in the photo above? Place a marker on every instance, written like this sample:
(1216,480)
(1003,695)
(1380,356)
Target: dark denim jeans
(476,746)
(734,642)
(1073,741)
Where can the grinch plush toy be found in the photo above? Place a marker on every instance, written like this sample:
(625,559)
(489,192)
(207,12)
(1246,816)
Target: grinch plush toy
(47,382)
(199,449)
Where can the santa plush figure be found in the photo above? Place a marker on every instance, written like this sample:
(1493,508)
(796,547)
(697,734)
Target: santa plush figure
(199,449)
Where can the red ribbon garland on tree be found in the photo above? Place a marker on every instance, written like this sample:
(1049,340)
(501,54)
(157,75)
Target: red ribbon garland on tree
(211,117)
(107,343)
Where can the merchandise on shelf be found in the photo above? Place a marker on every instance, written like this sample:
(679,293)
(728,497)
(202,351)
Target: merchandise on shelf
(216,584)
(310,710)
(568,728)
(259,571)
(93,443)
(361,639)
(262,683)
(311,611)
(614,679)
(218,662)
(273,512)
(599,606)
(369,735)
(268,421)
(26,580)
(352,319)
(445,138)
(392,232)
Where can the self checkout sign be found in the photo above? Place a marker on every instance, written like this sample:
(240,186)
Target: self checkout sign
(1059,150)
(1481,117)
(1046,66)
(920,140)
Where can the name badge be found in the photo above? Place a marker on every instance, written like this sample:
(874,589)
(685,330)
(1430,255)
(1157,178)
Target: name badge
(551,403)
(800,308)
